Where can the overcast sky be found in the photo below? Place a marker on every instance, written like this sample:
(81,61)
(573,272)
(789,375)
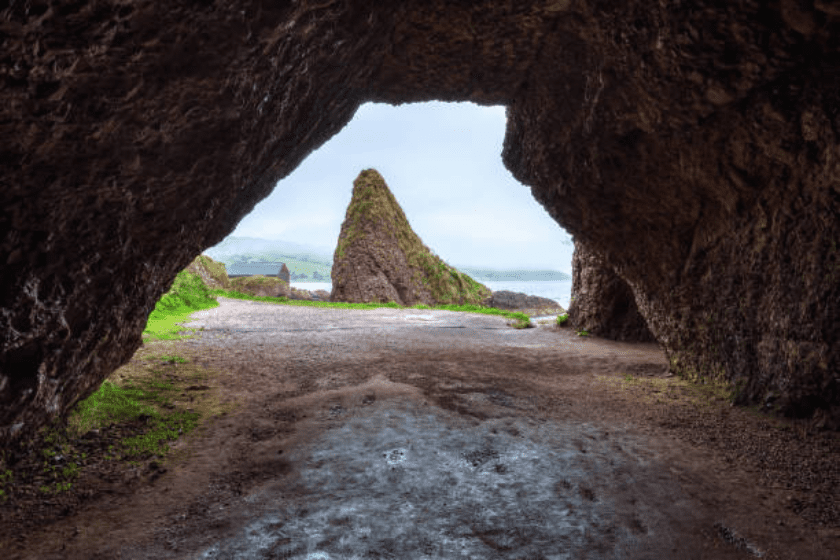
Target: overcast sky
(442,162)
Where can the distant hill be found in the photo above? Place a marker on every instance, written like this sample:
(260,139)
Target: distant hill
(524,275)
(254,249)
(251,255)
(242,255)
(299,271)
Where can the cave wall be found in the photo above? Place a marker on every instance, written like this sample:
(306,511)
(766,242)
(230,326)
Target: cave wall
(718,208)
(692,147)
(603,304)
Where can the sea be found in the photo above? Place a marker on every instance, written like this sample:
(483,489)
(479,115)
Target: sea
(559,291)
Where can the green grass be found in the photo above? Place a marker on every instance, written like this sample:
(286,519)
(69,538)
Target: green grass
(148,400)
(187,295)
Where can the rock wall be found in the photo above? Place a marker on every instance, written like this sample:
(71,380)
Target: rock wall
(691,145)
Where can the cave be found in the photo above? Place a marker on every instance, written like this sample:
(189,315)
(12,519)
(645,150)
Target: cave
(692,152)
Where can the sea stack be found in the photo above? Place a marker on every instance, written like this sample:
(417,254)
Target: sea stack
(380,259)
(284,274)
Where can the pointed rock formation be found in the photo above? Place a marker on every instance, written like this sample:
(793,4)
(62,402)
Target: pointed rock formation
(380,259)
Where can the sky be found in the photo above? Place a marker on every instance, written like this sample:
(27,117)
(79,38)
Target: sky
(442,161)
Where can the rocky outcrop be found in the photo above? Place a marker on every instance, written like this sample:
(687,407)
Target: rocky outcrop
(505,299)
(284,274)
(694,148)
(212,273)
(317,295)
(380,259)
(603,304)
(299,294)
(263,286)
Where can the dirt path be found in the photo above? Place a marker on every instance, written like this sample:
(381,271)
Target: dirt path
(436,435)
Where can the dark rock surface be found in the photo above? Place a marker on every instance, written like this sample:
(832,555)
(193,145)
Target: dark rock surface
(693,146)
(283,274)
(379,258)
(603,304)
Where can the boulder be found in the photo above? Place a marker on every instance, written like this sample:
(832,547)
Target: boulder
(212,273)
(694,150)
(284,274)
(505,299)
(263,286)
(380,259)
(321,295)
(297,293)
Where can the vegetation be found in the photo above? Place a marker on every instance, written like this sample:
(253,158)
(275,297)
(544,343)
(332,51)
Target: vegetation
(187,295)
(655,390)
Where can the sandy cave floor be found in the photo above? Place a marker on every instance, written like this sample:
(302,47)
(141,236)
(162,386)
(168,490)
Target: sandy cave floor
(433,434)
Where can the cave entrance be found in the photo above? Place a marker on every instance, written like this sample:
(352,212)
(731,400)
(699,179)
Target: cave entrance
(442,161)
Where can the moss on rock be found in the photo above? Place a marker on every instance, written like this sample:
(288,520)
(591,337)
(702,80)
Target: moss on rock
(259,285)
(212,273)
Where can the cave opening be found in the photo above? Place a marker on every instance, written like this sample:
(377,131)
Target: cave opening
(441,160)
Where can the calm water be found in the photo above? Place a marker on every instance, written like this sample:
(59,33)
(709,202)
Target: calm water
(558,291)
